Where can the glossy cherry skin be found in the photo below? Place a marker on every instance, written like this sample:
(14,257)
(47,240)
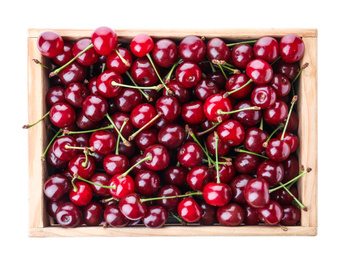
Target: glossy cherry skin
(209,213)
(63,153)
(95,107)
(73,73)
(282,197)
(160,157)
(251,217)
(50,44)
(291,166)
(155,217)
(263,96)
(241,55)
(231,214)
(127,100)
(198,177)
(222,148)
(180,93)
(123,185)
(92,213)
(254,139)
(281,85)
(292,125)
(147,182)
(102,179)
(276,113)
(218,78)
(218,50)
(56,187)
(259,71)
(85,123)
(278,150)
(237,185)
(104,39)
(291,139)
(115,63)
(54,161)
(271,171)
(68,215)
(226,172)
(190,155)
(169,107)
(141,45)
(256,193)
(188,74)
(89,57)
(113,216)
(267,49)
(118,119)
(217,194)
(168,191)
(115,163)
(103,141)
(142,114)
(75,166)
(193,112)
(65,55)
(62,114)
(289,70)
(204,89)
(143,72)
(131,207)
(247,118)
(175,175)
(214,104)
(291,48)
(82,195)
(54,95)
(104,84)
(52,206)
(146,138)
(231,132)
(192,49)
(165,53)
(75,94)
(135,159)
(291,215)
(189,210)
(237,81)
(171,136)
(271,213)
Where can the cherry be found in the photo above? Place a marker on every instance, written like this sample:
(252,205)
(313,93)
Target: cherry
(175,175)
(263,96)
(247,114)
(146,138)
(292,125)
(218,50)
(283,197)
(159,157)
(147,182)
(226,172)
(68,215)
(291,48)
(75,94)
(119,119)
(218,78)
(241,55)
(115,163)
(217,194)
(281,85)
(208,217)
(188,74)
(168,191)
(231,132)
(104,40)
(127,100)
(256,193)
(267,49)
(155,217)
(141,45)
(56,187)
(198,177)
(254,139)
(62,114)
(119,60)
(216,107)
(291,167)
(276,113)
(85,123)
(223,148)
(239,86)
(65,55)
(82,166)
(291,139)
(189,210)
(204,89)
(123,185)
(88,57)
(289,70)
(260,72)
(81,194)
(54,95)
(142,114)
(63,148)
(113,216)
(230,215)
(143,72)
(271,171)
(54,161)
(50,44)
(271,213)
(237,185)
(192,49)
(169,107)
(52,206)
(192,112)
(180,93)
(131,207)
(105,84)
(278,150)
(92,213)
(291,215)
(190,154)
(134,160)
(171,136)
(102,141)
(251,217)
(73,73)
(100,180)
(95,107)
(165,53)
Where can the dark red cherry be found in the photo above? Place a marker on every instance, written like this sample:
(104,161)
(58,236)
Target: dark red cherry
(271,171)
(50,44)
(147,182)
(241,55)
(190,154)
(105,83)
(237,185)
(115,163)
(192,112)
(218,50)
(188,74)
(263,96)
(75,94)
(115,63)
(113,216)
(282,197)
(256,193)
(254,139)
(198,177)
(54,161)
(192,49)
(247,117)
(128,150)
(291,48)
(65,55)
(143,72)
(276,113)
(291,139)
(141,45)
(62,114)
(123,185)
(209,213)
(271,213)
(52,206)
(92,213)
(104,39)
(118,119)
(127,100)
(218,78)
(78,166)
(267,49)
(160,157)
(73,73)
(62,148)
(132,207)
(103,141)
(142,114)
(237,81)
(135,159)
(101,179)
(169,107)
(222,148)
(289,70)
(214,105)
(89,57)
(54,95)
(281,85)
(259,71)
(251,217)
(146,138)
(246,163)
(95,107)
(165,53)
(168,191)
(85,123)
(82,194)
(204,89)
(171,136)
(292,125)
(180,93)
(189,210)
(231,132)
(291,215)
(291,166)
(56,187)
(230,215)
(68,215)
(226,172)
(278,150)
(175,175)
(217,194)
(155,217)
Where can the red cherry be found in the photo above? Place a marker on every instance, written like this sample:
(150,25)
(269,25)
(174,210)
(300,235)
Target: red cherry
(278,150)
(254,139)
(189,210)
(214,105)
(247,117)
(168,191)
(281,85)
(237,185)
(175,175)
(143,72)
(237,81)
(190,154)
(82,194)
(123,185)
(192,49)
(204,89)
(231,132)
(241,55)
(101,179)
(267,49)
(95,107)
(89,57)
(256,193)
(188,74)
(160,157)
(62,114)
(103,141)
(142,114)
(62,148)
(68,215)
(259,71)
(291,48)
(271,171)
(73,73)
(65,55)
(263,96)
(230,215)
(217,194)
(115,163)
(155,217)
(56,187)
(131,207)
(198,177)
(218,50)
(104,39)
(291,215)
(291,139)
(50,44)
(276,114)
(165,53)
(54,95)
(78,166)
(113,216)
(146,138)
(147,182)
(192,112)
(271,213)
(169,107)
(141,45)
(105,86)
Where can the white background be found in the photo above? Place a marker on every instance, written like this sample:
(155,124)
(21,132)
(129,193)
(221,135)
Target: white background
(327,16)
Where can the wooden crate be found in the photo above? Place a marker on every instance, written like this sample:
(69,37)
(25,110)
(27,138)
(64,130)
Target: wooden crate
(39,225)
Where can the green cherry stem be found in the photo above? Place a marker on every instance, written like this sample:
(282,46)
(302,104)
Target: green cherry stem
(281,125)
(140,90)
(178,218)
(209,129)
(217,157)
(220,112)
(294,197)
(118,138)
(148,158)
(222,63)
(114,84)
(278,58)
(122,59)
(172,197)
(261,124)
(50,143)
(127,143)
(86,152)
(294,99)
(236,43)
(76,176)
(131,137)
(28,126)
(40,63)
(305,65)
(233,91)
(169,74)
(245,151)
(67,132)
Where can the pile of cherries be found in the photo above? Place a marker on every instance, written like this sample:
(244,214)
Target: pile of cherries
(181,131)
